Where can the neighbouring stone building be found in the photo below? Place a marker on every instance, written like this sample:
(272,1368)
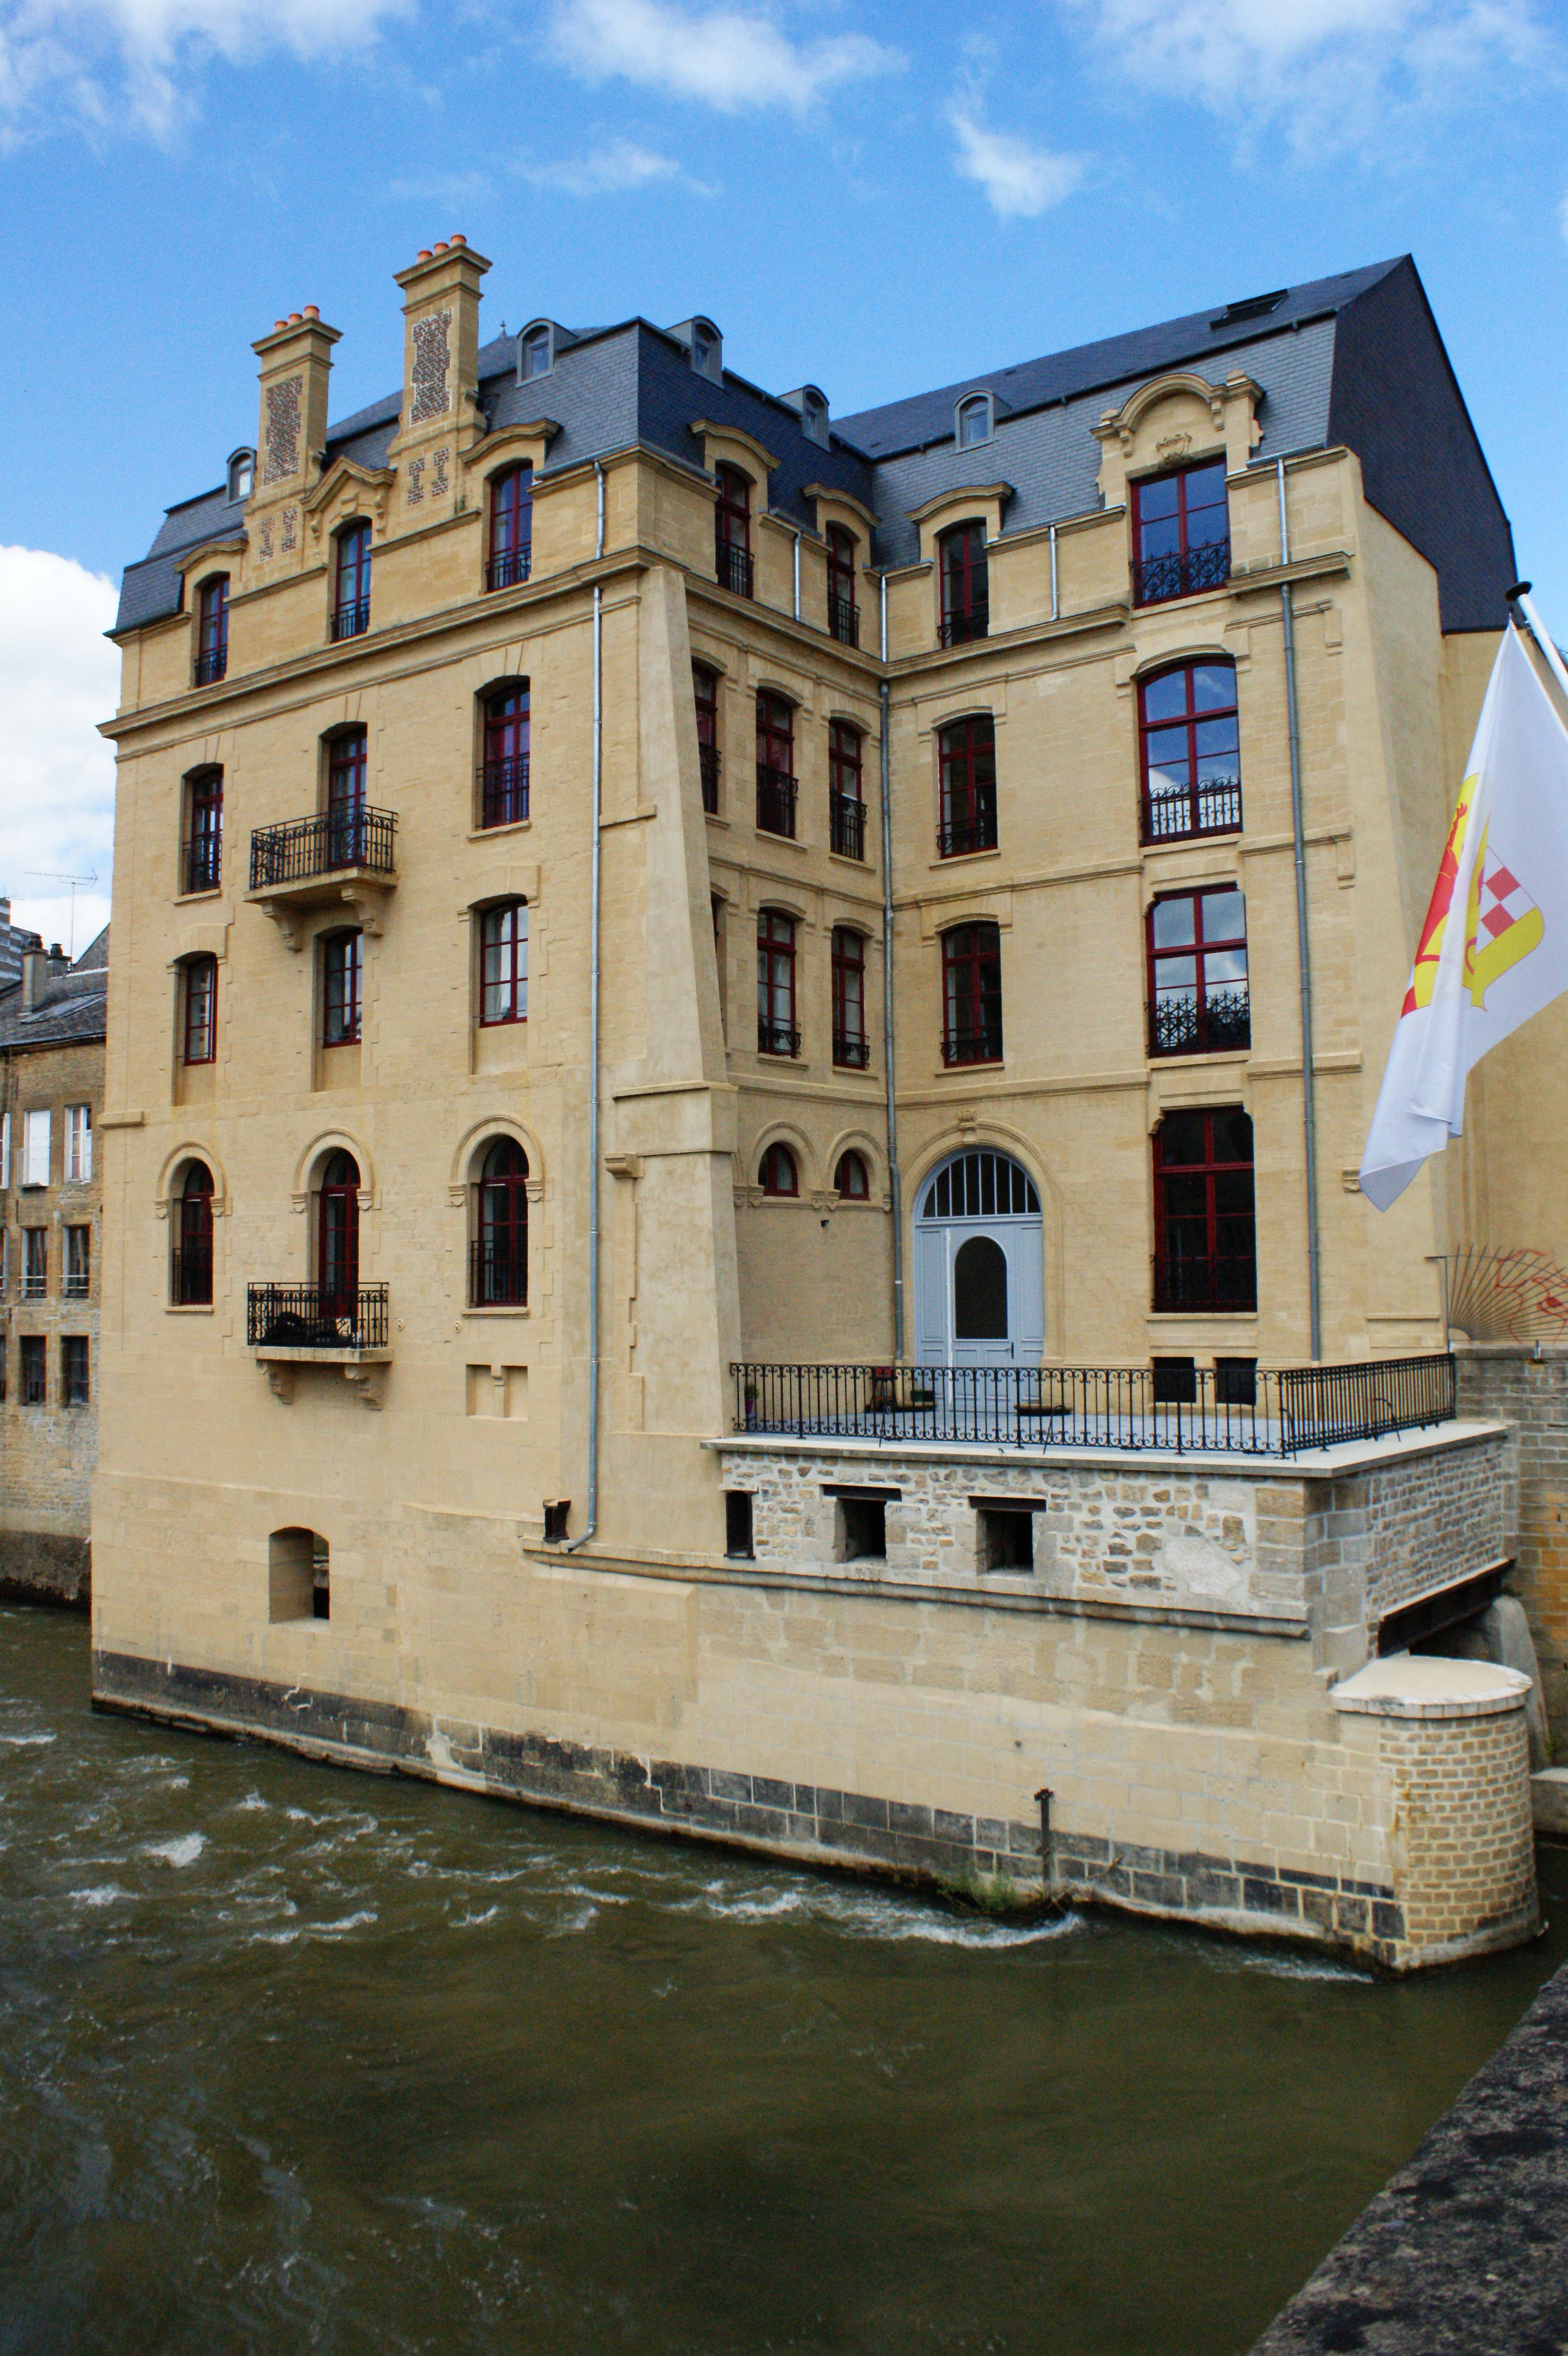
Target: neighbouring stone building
(51,1054)
(630,893)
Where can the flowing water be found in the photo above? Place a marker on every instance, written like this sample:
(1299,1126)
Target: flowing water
(293,2059)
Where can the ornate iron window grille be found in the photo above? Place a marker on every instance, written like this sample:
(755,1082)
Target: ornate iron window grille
(776,792)
(203,863)
(851,1049)
(846,826)
(973,622)
(1211,806)
(190,1276)
(1189,1025)
(735,567)
(958,835)
(509,570)
(503,791)
(211,666)
(777,1039)
(304,846)
(972,1043)
(352,621)
(497,1275)
(1183,572)
(843,620)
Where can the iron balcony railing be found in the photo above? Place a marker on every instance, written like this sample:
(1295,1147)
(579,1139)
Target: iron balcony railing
(352,621)
(211,666)
(497,1276)
(1189,1025)
(971,622)
(777,1039)
(510,568)
(851,1049)
(977,1043)
(190,1276)
(957,836)
(846,826)
(734,568)
(843,620)
(1241,1410)
(35,1284)
(1208,1285)
(304,846)
(708,764)
(313,1317)
(78,1284)
(1182,574)
(202,859)
(503,791)
(775,792)
(1211,806)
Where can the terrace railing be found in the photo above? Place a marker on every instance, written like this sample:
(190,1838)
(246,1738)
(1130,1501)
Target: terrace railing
(305,847)
(314,1317)
(1182,573)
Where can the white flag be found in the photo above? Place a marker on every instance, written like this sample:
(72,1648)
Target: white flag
(1494,948)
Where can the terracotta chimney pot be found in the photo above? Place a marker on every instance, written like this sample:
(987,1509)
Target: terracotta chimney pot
(294,317)
(424,254)
(312,311)
(278,324)
(440,245)
(456,240)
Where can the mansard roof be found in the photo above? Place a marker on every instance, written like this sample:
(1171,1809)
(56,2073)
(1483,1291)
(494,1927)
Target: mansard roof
(72,1006)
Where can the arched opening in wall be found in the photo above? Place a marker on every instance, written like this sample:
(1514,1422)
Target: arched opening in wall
(979,1264)
(852,1180)
(979,1291)
(190,1284)
(498,1269)
(299,1577)
(777,1174)
(338,1236)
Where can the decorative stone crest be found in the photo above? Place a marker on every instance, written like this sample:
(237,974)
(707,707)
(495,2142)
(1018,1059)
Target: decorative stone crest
(432,363)
(283,429)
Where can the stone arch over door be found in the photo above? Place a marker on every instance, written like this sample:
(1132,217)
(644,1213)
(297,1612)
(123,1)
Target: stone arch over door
(980,1286)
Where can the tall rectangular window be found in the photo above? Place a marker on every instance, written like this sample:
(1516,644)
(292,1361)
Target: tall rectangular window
(503,952)
(73,1357)
(213,630)
(1204,1235)
(341,971)
(77,1263)
(35,1263)
(705,694)
(201,1010)
(36,1141)
(1191,752)
(966,751)
(846,806)
(4,1153)
(1199,1002)
(775,764)
(852,1048)
(504,778)
(512,529)
(971,993)
(1181,534)
(348,832)
(77,1144)
(3,1370)
(965,578)
(732,531)
(843,615)
(776,1032)
(35,1370)
(351,603)
(204,831)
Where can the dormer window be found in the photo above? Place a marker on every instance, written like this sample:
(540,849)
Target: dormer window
(242,476)
(973,420)
(536,351)
(814,416)
(707,351)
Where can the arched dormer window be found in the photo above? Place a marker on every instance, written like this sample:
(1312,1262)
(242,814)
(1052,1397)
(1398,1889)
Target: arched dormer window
(242,476)
(511,528)
(213,630)
(352,586)
(498,1270)
(503,772)
(777,1174)
(536,351)
(974,420)
(707,351)
(813,415)
(190,1273)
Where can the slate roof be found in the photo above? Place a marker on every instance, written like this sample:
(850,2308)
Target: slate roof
(73,1008)
(1355,358)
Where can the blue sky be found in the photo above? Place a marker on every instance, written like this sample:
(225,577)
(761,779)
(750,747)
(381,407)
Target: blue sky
(872,197)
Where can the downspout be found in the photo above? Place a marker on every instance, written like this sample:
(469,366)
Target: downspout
(796,576)
(1298,830)
(1056,601)
(895,1188)
(594,922)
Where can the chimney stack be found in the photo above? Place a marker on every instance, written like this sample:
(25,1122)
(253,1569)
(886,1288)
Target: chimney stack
(35,973)
(441,348)
(296,364)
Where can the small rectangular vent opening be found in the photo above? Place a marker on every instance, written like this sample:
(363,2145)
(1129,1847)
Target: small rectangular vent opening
(862,1529)
(557,1513)
(1004,1538)
(738,1540)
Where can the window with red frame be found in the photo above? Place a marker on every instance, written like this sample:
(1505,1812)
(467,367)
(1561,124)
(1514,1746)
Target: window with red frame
(972,994)
(966,754)
(342,967)
(1191,756)
(1198,1001)
(213,630)
(965,583)
(846,805)
(777,1173)
(503,778)
(843,614)
(732,531)
(1204,1230)
(512,529)
(503,964)
(775,1031)
(204,836)
(201,1010)
(1181,534)
(706,695)
(851,1179)
(851,1046)
(499,1274)
(351,605)
(192,1271)
(347,831)
(775,764)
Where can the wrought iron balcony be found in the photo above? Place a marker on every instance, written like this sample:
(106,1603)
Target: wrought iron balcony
(851,1049)
(777,1039)
(201,861)
(709,765)
(503,792)
(190,1276)
(958,836)
(1177,812)
(497,1276)
(509,570)
(78,1284)
(1182,574)
(211,666)
(980,1043)
(843,620)
(971,622)
(1189,1025)
(775,792)
(734,568)
(305,848)
(846,826)
(292,1318)
(353,620)
(1208,1286)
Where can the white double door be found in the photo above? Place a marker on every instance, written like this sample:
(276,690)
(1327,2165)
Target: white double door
(979,1295)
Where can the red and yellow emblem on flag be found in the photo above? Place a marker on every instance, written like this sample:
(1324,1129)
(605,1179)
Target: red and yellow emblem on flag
(1502,922)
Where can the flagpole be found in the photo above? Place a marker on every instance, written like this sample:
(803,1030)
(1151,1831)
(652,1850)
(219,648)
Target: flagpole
(1520,595)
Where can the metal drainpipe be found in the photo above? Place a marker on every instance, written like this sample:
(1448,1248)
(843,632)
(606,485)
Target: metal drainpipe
(1298,829)
(593,1521)
(895,1188)
(796,576)
(1056,602)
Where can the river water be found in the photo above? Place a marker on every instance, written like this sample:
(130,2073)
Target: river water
(293,2058)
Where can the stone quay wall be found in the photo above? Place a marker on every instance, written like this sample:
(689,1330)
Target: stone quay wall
(1525,1385)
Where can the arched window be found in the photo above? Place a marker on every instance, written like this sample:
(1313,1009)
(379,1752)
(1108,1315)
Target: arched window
(846,807)
(242,476)
(503,963)
(852,1048)
(851,1179)
(843,614)
(511,528)
(537,353)
(191,1285)
(966,751)
(965,583)
(707,351)
(777,1172)
(706,693)
(503,778)
(202,857)
(351,598)
(338,1236)
(348,832)
(814,415)
(973,420)
(1181,533)
(775,764)
(198,1026)
(732,531)
(342,971)
(1205,1237)
(980,1185)
(213,630)
(776,1032)
(1191,752)
(498,1269)
(972,994)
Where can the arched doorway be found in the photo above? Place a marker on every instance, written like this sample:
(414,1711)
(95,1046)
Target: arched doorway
(979,1264)
(338,1237)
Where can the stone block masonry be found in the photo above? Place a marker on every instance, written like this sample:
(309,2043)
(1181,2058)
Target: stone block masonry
(1525,1387)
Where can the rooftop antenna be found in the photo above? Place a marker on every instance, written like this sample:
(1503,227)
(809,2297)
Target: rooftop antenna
(51,876)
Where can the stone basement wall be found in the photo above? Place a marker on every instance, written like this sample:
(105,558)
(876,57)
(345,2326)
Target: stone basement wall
(38,1568)
(1510,1383)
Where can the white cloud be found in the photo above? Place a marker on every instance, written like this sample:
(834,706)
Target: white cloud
(59,678)
(614,169)
(1019,181)
(96,61)
(723,57)
(1332,73)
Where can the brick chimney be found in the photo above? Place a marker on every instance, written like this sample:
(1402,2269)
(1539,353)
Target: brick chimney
(35,973)
(296,364)
(441,348)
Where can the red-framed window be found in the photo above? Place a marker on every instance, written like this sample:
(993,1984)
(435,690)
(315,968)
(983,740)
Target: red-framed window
(777,1032)
(503,963)
(499,1275)
(200,1026)
(843,614)
(1205,1227)
(851,1047)
(1191,751)
(342,974)
(1181,533)
(732,531)
(203,860)
(1199,999)
(503,776)
(972,994)
(847,803)
(852,1180)
(775,764)
(777,1173)
(965,583)
(705,696)
(338,1235)
(351,601)
(966,761)
(192,1272)
(213,630)
(511,528)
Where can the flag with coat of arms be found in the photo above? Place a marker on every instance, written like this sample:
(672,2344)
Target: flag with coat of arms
(1494,947)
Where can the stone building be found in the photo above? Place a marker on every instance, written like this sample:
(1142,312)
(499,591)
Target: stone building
(630,890)
(51,1055)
